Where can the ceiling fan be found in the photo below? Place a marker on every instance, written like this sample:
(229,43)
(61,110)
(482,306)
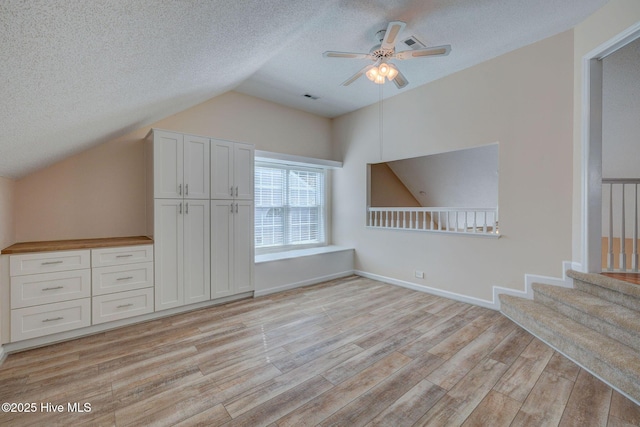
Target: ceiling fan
(382,53)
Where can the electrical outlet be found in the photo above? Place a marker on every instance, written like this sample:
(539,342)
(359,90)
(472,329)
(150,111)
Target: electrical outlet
(419,274)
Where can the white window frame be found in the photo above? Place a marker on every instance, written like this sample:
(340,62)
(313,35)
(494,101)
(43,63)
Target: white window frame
(268,162)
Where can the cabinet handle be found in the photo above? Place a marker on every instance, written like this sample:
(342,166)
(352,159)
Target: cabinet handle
(179,189)
(231,191)
(125,305)
(236,191)
(52,320)
(236,208)
(231,207)
(53,289)
(124,256)
(186,189)
(180,211)
(186,208)
(125,278)
(52,262)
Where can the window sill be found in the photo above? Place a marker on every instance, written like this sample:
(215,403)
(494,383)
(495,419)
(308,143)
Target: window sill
(298,253)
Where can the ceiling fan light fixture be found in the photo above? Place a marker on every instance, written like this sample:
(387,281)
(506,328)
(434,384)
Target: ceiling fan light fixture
(379,80)
(383,69)
(393,72)
(372,73)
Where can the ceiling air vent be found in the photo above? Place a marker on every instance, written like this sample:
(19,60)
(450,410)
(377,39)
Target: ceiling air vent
(308,95)
(413,43)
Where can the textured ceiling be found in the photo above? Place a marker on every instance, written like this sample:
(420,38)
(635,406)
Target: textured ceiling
(77,73)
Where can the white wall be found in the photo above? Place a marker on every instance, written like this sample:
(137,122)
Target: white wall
(523,101)
(621,113)
(614,18)
(462,179)
(308,268)
(101,192)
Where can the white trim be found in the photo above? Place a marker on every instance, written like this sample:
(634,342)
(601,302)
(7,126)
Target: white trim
(291,159)
(494,304)
(302,283)
(3,355)
(530,279)
(427,289)
(600,52)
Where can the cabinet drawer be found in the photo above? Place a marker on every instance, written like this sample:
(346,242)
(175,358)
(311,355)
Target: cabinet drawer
(48,262)
(32,322)
(122,305)
(118,278)
(121,255)
(45,288)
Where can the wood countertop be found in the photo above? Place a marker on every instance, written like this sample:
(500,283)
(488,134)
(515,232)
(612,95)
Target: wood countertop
(66,245)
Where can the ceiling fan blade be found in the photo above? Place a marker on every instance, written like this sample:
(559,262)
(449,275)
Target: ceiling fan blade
(400,80)
(356,76)
(332,54)
(421,53)
(391,35)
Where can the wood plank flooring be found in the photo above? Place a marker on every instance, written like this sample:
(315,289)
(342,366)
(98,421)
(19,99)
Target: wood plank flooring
(350,352)
(627,277)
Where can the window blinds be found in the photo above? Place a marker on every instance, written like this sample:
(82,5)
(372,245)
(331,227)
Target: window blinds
(289,205)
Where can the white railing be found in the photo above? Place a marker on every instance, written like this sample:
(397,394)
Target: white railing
(472,221)
(620,217)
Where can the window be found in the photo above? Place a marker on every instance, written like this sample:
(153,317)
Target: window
(290,206)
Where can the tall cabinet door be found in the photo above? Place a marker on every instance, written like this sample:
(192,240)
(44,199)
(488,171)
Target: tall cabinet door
(196,167)
(168,165)
(168,253)
(243,244)
(221,240)
(222,186)
(197,259)
(243,176)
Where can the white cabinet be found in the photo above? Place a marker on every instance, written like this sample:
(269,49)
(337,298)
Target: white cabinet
(182,252)
(50,292)
(62,290)
(231,247)
(180,165)
(122,282)
(232,165)
(122,305)
(40,320)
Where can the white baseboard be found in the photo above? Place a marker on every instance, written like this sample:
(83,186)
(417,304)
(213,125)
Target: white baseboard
(530,279)
(494,304)
(3,355)
(427,289)
(313,281)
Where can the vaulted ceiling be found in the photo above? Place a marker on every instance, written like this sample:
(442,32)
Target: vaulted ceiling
(78,73)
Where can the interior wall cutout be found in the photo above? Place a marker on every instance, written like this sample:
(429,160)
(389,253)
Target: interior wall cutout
(465,178)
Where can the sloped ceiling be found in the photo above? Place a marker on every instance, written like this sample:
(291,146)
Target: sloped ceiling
(78,73)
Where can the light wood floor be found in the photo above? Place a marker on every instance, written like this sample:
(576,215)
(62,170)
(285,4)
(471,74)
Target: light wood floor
(349,352)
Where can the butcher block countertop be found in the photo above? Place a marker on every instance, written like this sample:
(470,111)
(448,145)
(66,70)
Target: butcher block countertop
(65,245)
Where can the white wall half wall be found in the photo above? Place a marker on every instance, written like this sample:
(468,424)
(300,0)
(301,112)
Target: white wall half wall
(280,272)
(521,100)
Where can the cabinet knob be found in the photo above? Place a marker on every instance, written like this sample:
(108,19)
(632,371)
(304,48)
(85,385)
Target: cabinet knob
(179,189)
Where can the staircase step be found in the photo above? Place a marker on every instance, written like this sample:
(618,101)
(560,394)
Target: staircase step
(610,319)
(614,290)
(609,359)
